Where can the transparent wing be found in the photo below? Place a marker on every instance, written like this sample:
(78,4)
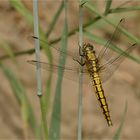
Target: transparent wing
(106,53)
(107,69)
(53,67)
(71,73)
(72,56)
(111,62)
(71,70)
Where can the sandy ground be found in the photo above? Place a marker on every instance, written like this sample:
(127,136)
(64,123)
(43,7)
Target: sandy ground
(121,88)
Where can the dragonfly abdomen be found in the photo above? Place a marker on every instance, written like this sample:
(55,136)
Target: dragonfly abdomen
(100,96)
(91,62)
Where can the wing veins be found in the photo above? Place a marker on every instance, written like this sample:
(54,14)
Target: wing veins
(122,54)
(57,49)
(105,69)
(109,42)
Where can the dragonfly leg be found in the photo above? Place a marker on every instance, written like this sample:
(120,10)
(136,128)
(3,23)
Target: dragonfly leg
(82,64)
(80,50)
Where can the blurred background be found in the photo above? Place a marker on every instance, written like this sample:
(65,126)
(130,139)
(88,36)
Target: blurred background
(20,113)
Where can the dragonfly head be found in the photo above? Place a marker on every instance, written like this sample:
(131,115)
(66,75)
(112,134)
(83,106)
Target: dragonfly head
(88,47)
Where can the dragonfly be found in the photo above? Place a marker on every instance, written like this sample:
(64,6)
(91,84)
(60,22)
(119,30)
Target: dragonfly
(99,68)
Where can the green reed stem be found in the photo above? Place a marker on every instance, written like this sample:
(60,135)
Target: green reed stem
(37,48)
(38,68)
(80,108)
(108,5)
(55,18)
(55,126)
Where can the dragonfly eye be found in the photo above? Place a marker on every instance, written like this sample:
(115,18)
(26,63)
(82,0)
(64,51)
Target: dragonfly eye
(89,47)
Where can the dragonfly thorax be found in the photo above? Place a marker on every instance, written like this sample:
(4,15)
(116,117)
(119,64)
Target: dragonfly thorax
(89,52)
(88,47)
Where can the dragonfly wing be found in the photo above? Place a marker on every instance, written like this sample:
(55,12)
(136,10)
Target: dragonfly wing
(107,69)
(71,73)
(57,50)
(106,53)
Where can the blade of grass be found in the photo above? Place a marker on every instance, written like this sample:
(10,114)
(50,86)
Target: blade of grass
(108,5)
(55,127)
(120,10)
(119,130)
(55,18)
(80,74)
(18,5)
(82,2)
(38,70)
(102,41)
(20,94)
(37,48)
(8,50)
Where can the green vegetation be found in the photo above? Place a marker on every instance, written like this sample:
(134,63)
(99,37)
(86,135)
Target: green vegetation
(52,130)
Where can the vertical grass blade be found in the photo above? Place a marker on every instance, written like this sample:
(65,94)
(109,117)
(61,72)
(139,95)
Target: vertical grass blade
(108,5)
(56,16)
(118,132)
(80,74)
(37,48)
(18,5)
(20,94)
(38,69)
(55,127)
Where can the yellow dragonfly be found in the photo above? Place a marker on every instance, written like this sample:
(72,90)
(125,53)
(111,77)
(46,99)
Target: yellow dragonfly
(98,67)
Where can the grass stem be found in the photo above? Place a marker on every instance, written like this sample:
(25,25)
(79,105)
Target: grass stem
(80,74)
